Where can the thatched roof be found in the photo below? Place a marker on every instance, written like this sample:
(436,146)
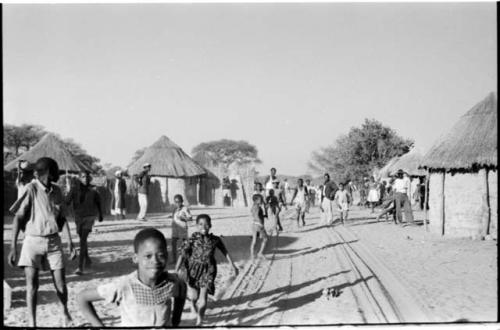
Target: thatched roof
(471,142)
(385,171)
(167,159)
(409,163)
(53,147)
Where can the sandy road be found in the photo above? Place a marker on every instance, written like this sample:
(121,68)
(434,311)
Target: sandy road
(286,288)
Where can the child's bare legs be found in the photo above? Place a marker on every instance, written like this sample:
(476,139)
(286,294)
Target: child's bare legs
(192,295)
(174,250)
(345,215)
(31,294)
(252,245)
(62,293)
(202,305)
(303,216)
(280,227)
(263,246)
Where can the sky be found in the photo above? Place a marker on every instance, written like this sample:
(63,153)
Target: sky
(288,78)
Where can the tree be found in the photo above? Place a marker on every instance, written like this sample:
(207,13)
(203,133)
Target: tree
(25,136)
(225,152)
(76,150)
(355,154)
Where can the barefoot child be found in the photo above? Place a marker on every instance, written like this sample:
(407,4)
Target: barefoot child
(198,266)
(280,194)
(272,210)
(180,217)
(146,296)
(258,226)
(87,205)
(300,196)
(39,212)
(342,199)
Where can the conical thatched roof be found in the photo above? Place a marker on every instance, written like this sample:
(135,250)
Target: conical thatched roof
(53,147)
(472,141)
(409,163)
(167,159)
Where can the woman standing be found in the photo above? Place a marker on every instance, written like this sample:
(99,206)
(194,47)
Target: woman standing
(119,188)
(373,194)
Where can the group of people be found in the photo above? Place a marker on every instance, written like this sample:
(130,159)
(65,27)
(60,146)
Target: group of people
(149,296)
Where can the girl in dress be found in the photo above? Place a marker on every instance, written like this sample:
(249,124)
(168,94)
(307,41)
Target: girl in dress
(180,217)
(373,193)
(198,266)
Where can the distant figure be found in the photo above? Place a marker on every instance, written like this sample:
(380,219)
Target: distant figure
(180,218)
(401,186)
(373,194)
(274,203)
(143,181)
(148,297)
(286,188)
(199,267)
(421,193)
(327,197)
(342,199)
(300,197)
(24,176)
(258,190)
(279,193)
(119,189)
(382,190)
(258,228)
(414,190)
(312,193)
(270,179)
(87,205)
(226,192)
(388,207)
(39,213)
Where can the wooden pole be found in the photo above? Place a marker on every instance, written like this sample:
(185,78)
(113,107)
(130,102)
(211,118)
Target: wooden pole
(442,205)
(487,195)
(426,199)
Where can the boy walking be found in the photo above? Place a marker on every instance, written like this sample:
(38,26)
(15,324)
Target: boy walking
(300,197)
(143,181)
(258,226)
(39,212)
(87,205)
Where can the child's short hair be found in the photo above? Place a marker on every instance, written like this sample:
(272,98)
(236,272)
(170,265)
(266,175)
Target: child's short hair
(204,216)
(47,164)
(256,198)
(179,197)
(149,233)
(300,180)
(271,191)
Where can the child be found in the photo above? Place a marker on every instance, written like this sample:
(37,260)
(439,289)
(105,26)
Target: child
(259,190)
(258,226)
(199,266)
(342,198)
(39,212)
(388,207)
(145,297)
(300,197)
(280,194)
(272,209)
(87,206)
(180,217)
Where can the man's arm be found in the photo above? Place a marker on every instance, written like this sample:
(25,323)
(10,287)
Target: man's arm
(294,194)
(13,245)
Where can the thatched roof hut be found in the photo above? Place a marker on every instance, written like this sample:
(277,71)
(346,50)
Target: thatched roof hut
(173,172)
(462,167)
(53,147)
(385,171)
(472,141)
(167,159)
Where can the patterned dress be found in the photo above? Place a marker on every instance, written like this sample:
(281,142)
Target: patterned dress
(200,268)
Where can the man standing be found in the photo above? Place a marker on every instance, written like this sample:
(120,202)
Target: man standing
(118,188)
(327,198)
(143,181)
(270,181)
(401,186)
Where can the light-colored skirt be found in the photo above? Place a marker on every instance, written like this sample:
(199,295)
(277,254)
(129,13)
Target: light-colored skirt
(373,195)
(179,230)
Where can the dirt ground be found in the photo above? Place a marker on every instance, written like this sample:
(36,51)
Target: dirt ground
(383,274)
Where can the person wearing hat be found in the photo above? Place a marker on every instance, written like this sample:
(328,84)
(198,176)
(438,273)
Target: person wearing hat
(401,186)
(143,181)
(119,189)
(24,176)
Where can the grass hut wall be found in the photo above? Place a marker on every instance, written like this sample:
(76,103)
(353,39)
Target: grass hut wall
(209,184)
(172,172)
(463,180)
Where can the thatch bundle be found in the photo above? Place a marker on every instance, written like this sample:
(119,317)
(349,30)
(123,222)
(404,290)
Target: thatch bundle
(167,159)
(472,142)
(50,146)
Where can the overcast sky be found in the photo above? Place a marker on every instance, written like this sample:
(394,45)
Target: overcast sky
(288,78)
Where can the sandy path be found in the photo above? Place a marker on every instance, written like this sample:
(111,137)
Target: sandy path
(382,275)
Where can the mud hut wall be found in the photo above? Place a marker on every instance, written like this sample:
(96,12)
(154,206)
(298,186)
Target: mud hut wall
(175,186)
(191,191)
(207,190)
(435,201)
(493,196)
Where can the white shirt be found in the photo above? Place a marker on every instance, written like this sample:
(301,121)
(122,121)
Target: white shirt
(401,185)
